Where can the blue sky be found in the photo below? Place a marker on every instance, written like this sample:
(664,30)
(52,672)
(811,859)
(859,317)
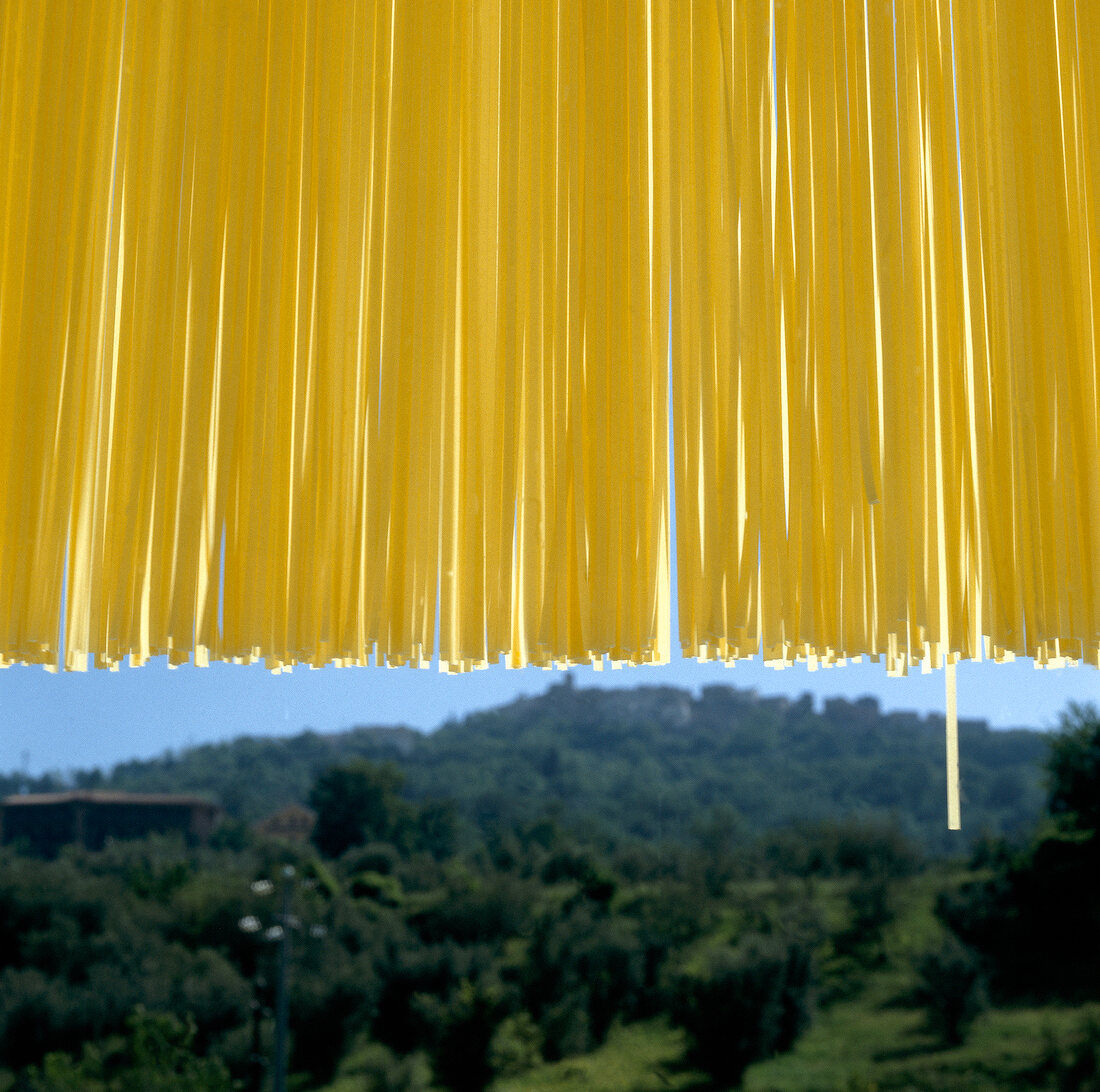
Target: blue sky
(96,719)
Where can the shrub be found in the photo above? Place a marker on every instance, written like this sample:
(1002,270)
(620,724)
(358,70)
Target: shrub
(463,1028)
(952,990)
(871,910)
(516,1046)
(1073,1065)
(380,1070)
(742,1005)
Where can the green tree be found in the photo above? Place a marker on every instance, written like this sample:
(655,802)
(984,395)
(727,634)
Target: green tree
(1036,920)
(434,829)
(355,804)
(1073,766)
(463,1028)
(743,1004)
(952,989)
(584,969)
(871,910)
(716,835)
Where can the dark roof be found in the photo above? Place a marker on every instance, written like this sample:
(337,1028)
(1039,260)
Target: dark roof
(103,796)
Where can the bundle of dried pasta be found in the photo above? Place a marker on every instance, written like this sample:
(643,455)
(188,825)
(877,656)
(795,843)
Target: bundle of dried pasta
(885,304)
(321,322)
(342,332)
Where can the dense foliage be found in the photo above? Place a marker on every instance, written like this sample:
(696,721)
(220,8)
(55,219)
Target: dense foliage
(457,966)
(443,946)
(1028,917)
(656,763)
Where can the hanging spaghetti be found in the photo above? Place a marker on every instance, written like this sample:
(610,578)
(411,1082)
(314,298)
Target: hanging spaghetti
(885,301)
(319,324)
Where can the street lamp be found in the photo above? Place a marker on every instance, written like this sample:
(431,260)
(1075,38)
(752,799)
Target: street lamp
(279,933)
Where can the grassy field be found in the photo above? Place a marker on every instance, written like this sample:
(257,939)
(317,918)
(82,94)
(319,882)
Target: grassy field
(639,1058)
(852,1048)
(872,1041)
(877,1042)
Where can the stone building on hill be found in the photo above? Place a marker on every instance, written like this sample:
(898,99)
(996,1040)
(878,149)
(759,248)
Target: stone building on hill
(43,823)
(294,823)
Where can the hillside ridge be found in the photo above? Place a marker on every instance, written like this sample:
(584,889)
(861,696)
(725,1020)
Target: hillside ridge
(650,763)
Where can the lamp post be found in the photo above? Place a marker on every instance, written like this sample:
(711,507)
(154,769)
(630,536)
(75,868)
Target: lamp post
(279,933)
(257,1065)
(282,1002)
